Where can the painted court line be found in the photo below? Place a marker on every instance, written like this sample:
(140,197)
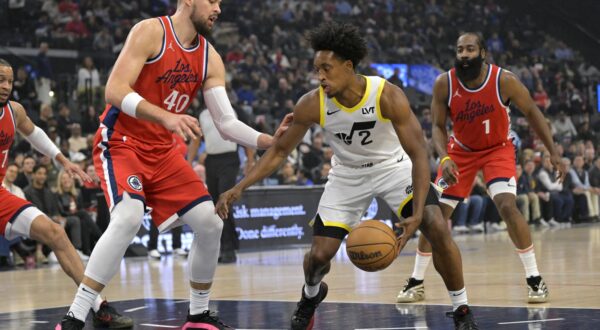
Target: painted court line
(404,328)
(135,309)
(533,321)
(160,326)
(39,322)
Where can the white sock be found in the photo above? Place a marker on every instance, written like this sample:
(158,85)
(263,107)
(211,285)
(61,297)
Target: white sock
(311,291)
(97,303)
(198,301)
(421,262)
(84,300)
(458,298)
(528,259)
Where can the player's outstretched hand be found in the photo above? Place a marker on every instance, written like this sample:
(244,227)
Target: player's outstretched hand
(285,124)
(450,172)
(559,166)
(408,227)
(225,200)
(183,125)
(74,170)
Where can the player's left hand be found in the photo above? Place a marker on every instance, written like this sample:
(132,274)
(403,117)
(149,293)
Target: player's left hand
(558,166)
(285,124)
(74,170)
(408,228)
(225,200)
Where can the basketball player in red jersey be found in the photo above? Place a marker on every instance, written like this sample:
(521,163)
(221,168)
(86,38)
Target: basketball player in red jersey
(476,96)
(19,217)
(163,64)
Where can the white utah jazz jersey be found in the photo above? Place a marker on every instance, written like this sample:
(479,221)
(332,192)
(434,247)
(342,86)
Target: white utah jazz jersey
(359,135)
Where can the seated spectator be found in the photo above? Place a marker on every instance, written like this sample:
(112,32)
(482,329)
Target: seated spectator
(24,176)
(12,170)
(595,183)
(71,205)
(560,200)
(586,206)
(564,127)
(77,142)
(527,198)
(323,174)
(46,201)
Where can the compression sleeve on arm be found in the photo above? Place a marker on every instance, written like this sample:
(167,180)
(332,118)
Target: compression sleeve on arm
(42,143)
(225,120)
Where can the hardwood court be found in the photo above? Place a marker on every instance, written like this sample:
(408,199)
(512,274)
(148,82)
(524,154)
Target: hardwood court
(268,284)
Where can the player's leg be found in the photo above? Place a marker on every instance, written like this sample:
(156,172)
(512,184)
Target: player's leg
(118,167)
(178,196)
(499,172)
(342,204)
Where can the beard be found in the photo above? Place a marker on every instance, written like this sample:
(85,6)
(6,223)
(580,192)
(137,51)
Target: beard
(472,71)
(200,24)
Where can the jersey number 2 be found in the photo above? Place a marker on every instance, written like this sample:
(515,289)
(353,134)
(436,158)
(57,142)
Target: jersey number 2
(486,123)
(176,101)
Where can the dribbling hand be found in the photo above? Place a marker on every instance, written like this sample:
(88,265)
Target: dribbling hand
(225,200)
(183,125)
(408,227)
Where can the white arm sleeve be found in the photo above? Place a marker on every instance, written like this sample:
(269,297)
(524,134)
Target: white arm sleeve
(42,143)
(225,120)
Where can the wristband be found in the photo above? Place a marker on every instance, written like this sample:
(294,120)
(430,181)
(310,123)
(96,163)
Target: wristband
(444,159)
(130,103)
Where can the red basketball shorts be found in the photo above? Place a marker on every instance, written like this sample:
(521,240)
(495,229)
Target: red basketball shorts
(497,163)
(158,176)
(10,208)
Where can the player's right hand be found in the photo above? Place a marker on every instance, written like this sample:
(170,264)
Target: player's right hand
(225,200)
(450,172)
(185,126)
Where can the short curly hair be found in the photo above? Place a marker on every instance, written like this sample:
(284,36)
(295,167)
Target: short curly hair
(343,39)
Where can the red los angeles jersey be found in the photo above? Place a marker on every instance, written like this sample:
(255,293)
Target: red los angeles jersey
(7,136)
(170,80)
(479,116)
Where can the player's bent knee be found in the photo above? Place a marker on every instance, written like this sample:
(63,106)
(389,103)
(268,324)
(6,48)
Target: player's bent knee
(320,257)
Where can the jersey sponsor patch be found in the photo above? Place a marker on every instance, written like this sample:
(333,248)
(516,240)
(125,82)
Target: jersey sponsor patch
(134,182)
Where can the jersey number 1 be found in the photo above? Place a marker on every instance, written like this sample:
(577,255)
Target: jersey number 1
(176,101)
(486,123)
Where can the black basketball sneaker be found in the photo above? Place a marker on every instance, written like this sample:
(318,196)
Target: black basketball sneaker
(304,315)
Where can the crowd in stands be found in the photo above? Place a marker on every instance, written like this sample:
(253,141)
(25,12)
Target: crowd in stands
(269,66)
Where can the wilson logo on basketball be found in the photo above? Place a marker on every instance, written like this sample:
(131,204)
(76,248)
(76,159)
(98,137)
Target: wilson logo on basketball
(364,256)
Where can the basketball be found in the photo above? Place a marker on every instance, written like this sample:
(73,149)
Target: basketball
(371,246)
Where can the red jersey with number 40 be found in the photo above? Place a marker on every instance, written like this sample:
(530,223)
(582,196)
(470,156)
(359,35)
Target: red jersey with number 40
(170,80)
(7,136)
(479,116)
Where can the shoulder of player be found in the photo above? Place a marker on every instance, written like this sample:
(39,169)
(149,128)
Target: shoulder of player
(308,107)
(149,29)
(17,108)
(508,81)
(392,100)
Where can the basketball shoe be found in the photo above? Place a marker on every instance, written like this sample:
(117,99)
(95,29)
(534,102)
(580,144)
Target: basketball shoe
(69,322)
(304,315)
(205,320)
(537,290)
(108,317)
(413,291)
(463,318)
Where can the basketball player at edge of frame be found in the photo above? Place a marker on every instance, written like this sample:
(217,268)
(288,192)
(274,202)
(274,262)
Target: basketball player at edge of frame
(476,96)
(363,119)
(164,63)
(18,217)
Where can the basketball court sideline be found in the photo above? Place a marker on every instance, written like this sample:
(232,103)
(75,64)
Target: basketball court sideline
(261,289)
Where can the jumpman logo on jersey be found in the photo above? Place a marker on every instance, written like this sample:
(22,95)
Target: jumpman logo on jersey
(171,46)
(457,94)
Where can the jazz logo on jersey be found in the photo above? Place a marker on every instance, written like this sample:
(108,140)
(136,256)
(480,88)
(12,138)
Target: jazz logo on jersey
(363,128)
(134,182)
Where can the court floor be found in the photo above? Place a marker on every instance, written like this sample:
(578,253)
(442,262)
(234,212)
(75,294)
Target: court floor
(260,290)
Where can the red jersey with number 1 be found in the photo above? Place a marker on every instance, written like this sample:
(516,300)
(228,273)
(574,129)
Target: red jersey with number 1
(7,136)
(170,80)
(479,116)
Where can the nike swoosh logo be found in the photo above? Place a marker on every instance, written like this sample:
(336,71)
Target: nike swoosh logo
(331,113)
(458,294)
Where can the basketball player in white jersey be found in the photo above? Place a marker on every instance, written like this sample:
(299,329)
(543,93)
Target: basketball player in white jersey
(363,119)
